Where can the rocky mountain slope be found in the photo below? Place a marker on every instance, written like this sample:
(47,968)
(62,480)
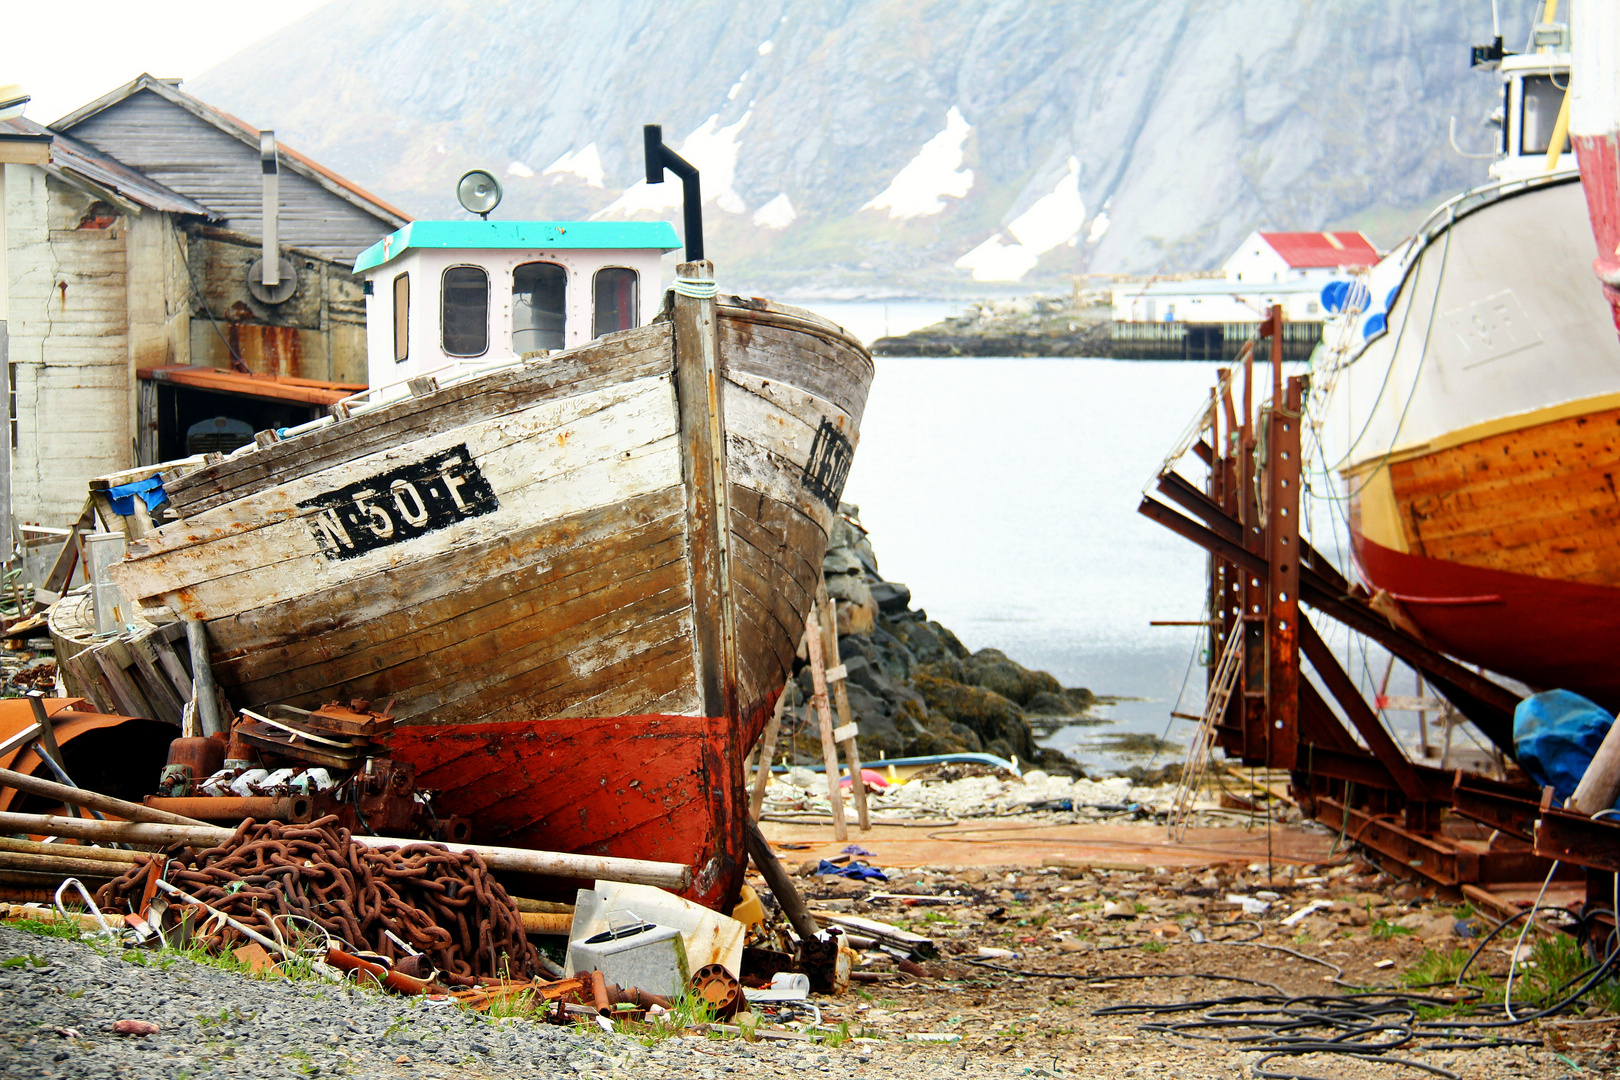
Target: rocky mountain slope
(886,147)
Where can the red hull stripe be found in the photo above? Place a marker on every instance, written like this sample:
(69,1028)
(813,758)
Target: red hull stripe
(1547,633)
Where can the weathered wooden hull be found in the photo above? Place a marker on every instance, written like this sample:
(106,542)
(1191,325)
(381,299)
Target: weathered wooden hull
(514,560)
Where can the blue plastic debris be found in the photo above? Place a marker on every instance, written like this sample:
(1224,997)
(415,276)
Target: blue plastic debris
(1555,735)
(150,490)
(855,870)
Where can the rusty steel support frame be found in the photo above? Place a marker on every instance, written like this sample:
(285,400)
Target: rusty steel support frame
(1247,519)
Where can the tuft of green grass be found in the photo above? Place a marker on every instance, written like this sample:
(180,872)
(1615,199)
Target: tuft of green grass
(1384,930)
(1154,946)
(689,1011)
(69,931)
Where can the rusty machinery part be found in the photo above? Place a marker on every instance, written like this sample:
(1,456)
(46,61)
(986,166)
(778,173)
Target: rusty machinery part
(820,958)
(720,989)
(444,904)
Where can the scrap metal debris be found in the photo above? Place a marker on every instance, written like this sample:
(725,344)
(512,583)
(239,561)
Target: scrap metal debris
(391,901)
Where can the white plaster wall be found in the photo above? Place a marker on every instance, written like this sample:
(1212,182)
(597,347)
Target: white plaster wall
(69,347)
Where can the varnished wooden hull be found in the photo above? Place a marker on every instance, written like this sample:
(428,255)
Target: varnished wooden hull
(1481,434)
(537,582)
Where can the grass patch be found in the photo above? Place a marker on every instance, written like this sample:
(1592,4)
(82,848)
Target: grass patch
(1154,946)
(1384,930)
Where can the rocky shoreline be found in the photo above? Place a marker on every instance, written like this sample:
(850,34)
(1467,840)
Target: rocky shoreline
(1027,326)
(914,688)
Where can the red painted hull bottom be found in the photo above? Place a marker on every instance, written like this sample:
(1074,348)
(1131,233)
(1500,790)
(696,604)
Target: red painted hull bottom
(668,788)
(1553,635)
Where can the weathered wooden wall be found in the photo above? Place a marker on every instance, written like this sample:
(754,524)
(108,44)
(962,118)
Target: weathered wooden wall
(69,352)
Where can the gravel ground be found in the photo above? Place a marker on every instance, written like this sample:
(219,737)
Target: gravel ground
(58,999)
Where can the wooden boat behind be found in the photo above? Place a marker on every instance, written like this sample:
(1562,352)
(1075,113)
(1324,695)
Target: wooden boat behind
(1480,423)
(580,577)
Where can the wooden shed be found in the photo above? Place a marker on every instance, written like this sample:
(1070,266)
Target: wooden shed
(135,333)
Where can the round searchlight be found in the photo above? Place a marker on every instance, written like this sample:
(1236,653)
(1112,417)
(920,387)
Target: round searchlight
(478,192)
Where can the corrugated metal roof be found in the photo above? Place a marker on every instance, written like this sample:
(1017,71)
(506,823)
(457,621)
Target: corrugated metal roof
(104,171)
(276,387)
(1310,250)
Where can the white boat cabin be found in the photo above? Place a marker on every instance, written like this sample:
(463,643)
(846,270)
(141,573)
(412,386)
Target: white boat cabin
(1533,86)
(447,295)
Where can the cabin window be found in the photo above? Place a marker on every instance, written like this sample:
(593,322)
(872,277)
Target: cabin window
(615,300)
(464,311)
(539,307)
(1540,98)
(402,317)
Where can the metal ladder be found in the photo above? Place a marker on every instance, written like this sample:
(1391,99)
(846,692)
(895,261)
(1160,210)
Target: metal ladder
(1203,741)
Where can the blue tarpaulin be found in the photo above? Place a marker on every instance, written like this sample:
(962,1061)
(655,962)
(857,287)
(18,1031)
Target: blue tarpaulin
(150,490)
(1555,735)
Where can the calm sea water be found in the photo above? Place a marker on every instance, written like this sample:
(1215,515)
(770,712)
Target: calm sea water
(1004,492)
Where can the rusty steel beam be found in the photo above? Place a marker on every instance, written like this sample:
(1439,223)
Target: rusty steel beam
(1500,806)
(1578,839)
(1440,862)
(1360,713)
(1487,704)
(1361,768)
(1282,549)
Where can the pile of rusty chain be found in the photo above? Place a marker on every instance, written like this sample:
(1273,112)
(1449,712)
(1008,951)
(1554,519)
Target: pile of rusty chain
(444,904)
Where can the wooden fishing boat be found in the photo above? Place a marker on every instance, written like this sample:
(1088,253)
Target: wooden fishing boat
(1479,422)
(579,575)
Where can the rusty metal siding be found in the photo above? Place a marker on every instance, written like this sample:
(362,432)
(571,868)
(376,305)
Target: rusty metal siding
(218,170)
(69,347)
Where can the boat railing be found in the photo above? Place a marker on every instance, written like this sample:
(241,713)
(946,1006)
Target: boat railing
(366,400)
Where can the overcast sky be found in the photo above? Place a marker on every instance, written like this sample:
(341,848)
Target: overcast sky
(70,53)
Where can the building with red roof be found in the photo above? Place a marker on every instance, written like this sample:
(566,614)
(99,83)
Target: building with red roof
(1276,257)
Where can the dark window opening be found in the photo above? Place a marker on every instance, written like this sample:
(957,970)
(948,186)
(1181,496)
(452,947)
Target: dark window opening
(464,311)
(197,421)
(1540,98)
(616,307)
(402,317)
(539,307)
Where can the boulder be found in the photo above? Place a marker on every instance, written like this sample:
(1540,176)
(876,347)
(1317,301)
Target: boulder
(892,597)
(989,715)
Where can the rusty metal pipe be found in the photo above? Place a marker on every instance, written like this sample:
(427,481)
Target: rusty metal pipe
(89,800)
(665,875)
(599,994)
(290,808)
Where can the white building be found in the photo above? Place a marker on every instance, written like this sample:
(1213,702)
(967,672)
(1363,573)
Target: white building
(1268,268)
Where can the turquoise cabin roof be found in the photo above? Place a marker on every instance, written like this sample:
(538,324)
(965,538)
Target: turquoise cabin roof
(553,235)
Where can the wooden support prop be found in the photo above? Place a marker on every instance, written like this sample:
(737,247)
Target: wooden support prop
(846,731)
(204,690)
(767,751)
(89,800)
(829,748)
(708,511)
(780,883)
(1601,782)
(61,865)
(74,851)
(664,875)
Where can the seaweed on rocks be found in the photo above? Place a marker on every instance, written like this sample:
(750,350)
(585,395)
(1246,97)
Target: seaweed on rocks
(914,688)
